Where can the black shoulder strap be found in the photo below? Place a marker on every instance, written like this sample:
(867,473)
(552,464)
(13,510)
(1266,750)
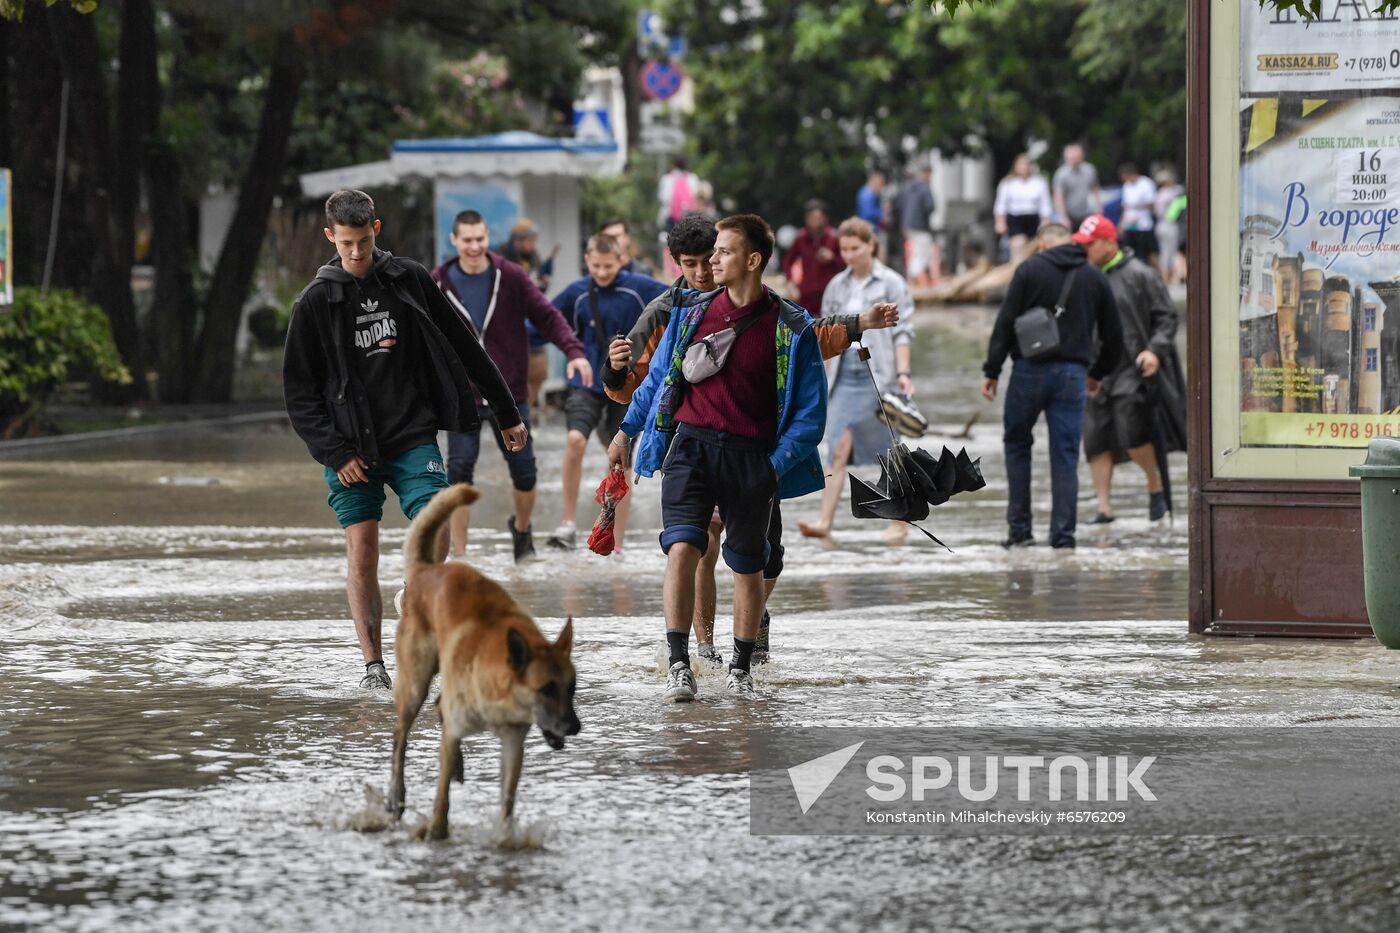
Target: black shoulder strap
(593,306)
(1064,291)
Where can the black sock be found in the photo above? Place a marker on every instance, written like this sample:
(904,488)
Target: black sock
(368,664)
(679,643)
(743,652)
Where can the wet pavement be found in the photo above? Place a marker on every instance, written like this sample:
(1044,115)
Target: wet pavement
(183,744)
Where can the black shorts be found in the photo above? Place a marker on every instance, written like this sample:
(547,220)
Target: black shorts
(1116,424)
(705,469)
(588,412)
(1022,224)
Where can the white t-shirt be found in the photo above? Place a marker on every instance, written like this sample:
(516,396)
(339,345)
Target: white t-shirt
(1017,195)
(1139,196)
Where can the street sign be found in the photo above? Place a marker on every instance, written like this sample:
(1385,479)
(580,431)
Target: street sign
(592,123)
(662,139)
(661,80)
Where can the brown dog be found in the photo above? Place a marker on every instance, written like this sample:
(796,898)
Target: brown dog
(499,674)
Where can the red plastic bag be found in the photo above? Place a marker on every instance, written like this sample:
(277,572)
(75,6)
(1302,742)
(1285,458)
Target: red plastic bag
(611,491)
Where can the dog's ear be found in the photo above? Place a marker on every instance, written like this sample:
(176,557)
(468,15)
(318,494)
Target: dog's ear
(565,641)
(518,651)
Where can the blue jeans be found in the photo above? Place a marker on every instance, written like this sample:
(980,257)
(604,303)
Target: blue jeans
(1058,389)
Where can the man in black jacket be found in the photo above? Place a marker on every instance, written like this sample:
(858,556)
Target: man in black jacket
(1056,384)
(376,363)
(1119,421)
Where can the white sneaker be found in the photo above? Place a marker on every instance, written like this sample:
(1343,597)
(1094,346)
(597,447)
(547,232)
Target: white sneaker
(710,656)
(740,683)
(398,601)
(563,537)
(680,684)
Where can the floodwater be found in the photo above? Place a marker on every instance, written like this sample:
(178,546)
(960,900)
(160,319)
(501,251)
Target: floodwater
(183,745)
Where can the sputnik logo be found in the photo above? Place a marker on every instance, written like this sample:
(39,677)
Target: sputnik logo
(811,778)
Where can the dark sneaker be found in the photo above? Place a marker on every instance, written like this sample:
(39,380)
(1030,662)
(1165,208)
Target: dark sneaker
(1018,541)
(376,678)
(1158,507)
(524,541)
(1101,519)
(760,644)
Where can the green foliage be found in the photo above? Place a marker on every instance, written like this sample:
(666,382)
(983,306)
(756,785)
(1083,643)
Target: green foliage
(14,9)
(631,195)
(800,99)
(46,340)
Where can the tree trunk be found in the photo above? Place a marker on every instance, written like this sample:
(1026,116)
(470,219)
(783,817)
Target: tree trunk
(109,233)
(35,77)
(238,260)
(174,304)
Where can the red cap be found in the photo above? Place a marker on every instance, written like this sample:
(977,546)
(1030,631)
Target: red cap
(1095,227)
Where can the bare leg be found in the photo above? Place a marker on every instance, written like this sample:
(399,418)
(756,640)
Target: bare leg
(748,604)
(538,373)
(620,520)
(831,496)
(512,755)
(459,523)
(362,586)
(705,590)
(678,591)
(573,472)
(1101,469)
(1146,458)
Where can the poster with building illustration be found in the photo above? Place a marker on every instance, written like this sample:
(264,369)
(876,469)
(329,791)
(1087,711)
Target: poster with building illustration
(1319,289)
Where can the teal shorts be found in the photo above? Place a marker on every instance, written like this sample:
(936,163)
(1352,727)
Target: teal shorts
(415,476)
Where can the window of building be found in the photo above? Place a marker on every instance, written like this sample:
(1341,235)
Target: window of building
(1244,280)
(1285,290)
(1369,317)
(1370,359)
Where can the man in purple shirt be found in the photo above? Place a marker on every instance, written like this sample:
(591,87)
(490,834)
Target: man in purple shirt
(496,297)
(814,258)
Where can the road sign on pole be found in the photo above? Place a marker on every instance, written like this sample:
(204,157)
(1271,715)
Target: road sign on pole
(661,80)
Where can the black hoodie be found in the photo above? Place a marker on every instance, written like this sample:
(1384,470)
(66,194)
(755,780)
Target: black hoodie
(1090,306)
(329,407)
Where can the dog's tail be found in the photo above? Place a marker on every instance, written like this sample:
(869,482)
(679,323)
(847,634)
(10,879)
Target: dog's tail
(421,546)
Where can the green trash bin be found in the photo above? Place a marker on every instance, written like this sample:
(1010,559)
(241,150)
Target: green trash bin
(1380,536)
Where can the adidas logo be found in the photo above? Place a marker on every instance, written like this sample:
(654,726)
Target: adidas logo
(370,306)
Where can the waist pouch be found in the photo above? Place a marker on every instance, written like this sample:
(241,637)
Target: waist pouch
(707,356)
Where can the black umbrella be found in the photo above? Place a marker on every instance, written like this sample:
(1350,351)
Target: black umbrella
(911,481)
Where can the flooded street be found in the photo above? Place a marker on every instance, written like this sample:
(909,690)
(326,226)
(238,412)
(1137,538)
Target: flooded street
(183,745)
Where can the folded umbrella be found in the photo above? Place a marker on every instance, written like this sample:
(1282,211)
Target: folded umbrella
(911,481)
(611,491)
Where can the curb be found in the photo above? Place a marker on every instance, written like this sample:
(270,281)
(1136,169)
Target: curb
(32,444)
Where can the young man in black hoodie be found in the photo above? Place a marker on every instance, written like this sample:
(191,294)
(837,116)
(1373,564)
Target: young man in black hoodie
(1057,384)
(376,363)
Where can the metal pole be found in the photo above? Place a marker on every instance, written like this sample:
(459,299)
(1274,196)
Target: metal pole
(57,188)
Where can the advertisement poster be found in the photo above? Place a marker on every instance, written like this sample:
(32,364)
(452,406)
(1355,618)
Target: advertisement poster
(1320,271)
(497,200)
(1319,306)
(7,283)
(1348,48)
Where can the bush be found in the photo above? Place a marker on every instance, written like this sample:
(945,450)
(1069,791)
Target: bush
(45,340)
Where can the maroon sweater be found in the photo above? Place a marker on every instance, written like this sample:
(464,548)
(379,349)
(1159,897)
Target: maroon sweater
(742,398)
(816,275)
(505,339)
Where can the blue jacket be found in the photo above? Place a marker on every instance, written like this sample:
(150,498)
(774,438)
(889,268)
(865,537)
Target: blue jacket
(801,403)
(620,303)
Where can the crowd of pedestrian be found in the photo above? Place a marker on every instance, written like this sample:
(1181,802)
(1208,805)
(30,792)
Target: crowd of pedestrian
(722,385)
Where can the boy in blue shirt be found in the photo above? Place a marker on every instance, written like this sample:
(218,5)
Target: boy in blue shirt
(602,305)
